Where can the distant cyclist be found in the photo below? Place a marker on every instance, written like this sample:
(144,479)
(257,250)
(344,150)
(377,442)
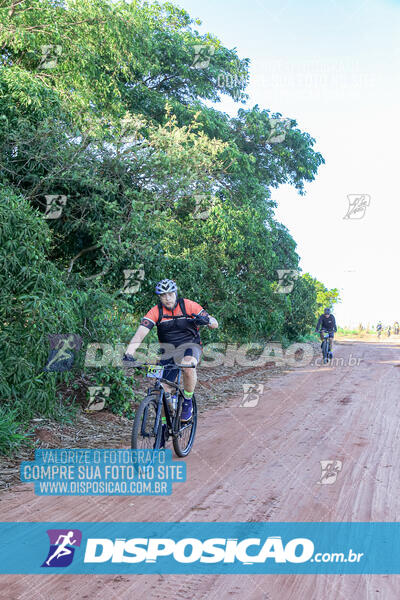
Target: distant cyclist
(379,329)
(396,328)
(327,322)
(177,321)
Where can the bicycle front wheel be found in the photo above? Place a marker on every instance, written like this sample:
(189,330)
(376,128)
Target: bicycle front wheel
(325,350)
(183,440)
(145,435)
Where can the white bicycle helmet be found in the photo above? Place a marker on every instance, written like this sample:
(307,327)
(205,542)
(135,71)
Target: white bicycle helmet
(166,285)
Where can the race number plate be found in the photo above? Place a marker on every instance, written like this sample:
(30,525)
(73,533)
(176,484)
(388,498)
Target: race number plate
(155,372)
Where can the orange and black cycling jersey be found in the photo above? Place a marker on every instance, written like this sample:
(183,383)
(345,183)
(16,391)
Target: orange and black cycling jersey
(178,330)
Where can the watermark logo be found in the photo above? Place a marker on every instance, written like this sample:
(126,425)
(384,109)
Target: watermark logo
(235,83)
(215,354)
(339,361)
(63,543)
(316,77)
(329,471)
(62,347)
(102,472)
(279,129)
(191,550)
(357,206)
(199,212)
(286,281)
(54,206)
(127,135)
(50,56)
(97,398)
(133,279)
(251,394)
(202,56)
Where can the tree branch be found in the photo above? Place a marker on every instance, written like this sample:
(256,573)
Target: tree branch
(71,264)
(12,8)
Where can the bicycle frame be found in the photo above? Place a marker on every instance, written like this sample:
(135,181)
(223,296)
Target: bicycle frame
(163,403)
(325,345)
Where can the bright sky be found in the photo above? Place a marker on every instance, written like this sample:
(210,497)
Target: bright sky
(334,66)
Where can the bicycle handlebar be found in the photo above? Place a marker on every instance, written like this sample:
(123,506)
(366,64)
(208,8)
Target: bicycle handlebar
(199,320)
(136,365)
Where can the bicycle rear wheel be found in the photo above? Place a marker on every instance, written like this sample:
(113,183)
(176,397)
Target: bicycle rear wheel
(144,436)
(183,440)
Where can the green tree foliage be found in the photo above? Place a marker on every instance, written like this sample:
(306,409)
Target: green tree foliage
(325,298)
(106,104)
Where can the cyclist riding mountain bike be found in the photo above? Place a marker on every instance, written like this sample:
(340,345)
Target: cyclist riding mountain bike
(177,321)
(327,322)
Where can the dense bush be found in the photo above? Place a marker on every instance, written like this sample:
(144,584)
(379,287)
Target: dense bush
(153,180)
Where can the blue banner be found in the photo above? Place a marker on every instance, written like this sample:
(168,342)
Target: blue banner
(102,472)
(199,548)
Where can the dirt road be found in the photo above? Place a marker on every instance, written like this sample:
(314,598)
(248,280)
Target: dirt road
(259,463)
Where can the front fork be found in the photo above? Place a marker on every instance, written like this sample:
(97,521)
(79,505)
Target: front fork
(330,342)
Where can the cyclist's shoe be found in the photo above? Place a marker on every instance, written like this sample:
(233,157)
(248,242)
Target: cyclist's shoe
(187,410)
(128,360)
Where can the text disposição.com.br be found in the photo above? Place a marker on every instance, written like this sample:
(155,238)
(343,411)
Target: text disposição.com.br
(213,550)
(337,557)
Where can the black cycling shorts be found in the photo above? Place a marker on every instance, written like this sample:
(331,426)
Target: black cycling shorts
(189,349)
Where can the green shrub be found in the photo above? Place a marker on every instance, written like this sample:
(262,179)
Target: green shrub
(9,430)
(122,393)
(34,303)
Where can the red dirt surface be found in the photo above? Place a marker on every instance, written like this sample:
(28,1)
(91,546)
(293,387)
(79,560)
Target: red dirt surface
(258,463)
